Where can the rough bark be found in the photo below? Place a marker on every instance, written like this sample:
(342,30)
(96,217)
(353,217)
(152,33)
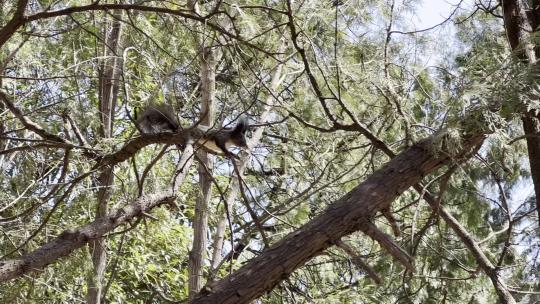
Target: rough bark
(518,23)
(197,255)
(345,216)
(98,247)
(531,127)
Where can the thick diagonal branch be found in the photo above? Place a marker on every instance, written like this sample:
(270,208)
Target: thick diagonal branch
(343,217)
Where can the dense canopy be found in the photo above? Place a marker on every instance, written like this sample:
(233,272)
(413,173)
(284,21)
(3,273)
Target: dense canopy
(388,159)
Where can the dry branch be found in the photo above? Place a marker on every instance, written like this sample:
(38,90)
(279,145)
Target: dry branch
(357,260)
(386,242)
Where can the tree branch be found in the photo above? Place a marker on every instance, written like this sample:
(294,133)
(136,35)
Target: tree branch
(73,239)
(345,216)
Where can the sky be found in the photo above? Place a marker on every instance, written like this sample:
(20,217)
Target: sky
(432,12)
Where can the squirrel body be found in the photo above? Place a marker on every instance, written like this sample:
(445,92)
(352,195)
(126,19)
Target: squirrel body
(161,118)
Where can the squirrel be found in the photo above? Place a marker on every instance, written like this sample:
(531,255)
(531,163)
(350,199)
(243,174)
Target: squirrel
(161,118)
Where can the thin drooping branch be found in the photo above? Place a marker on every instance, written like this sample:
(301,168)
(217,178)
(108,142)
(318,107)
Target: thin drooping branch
(241,166)
(483,261)
(42,132)
(385,241)
(357,260)
(345,216)
(30,125)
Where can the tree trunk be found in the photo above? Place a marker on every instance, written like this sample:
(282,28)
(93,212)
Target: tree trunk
(108,95)
(98,247)
(518,24)
(531,127)
(197,254)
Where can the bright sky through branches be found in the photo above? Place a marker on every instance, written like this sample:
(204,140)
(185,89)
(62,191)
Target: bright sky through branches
(433,12)
(433,18)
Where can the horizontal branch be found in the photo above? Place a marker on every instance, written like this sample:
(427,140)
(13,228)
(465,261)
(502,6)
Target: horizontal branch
(96,6)
(137,143)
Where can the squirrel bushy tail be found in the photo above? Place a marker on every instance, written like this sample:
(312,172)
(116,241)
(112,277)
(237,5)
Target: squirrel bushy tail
(160,118)
(238,133)
(157,118)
